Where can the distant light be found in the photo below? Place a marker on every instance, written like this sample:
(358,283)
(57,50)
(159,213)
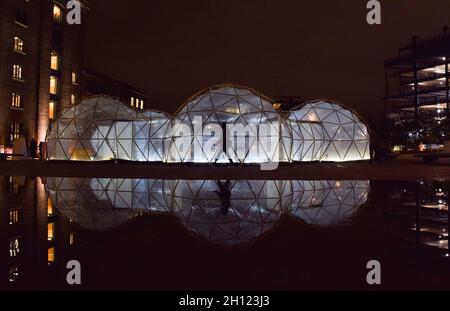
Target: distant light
(444,58)
(439,111)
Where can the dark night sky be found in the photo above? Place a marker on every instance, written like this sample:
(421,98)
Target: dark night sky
(318,49)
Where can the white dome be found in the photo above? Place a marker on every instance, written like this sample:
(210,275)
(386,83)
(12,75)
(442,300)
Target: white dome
(216,107)
(327,131)
(102,128)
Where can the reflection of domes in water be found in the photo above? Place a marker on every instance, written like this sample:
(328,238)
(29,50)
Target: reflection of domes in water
(103,204)
(229,212)
(326,203)
(222,212)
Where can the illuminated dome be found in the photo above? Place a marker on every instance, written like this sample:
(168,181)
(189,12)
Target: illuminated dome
(327,131)
(102,128)
(229,212)
(212,110)
(327,203)
(91,203)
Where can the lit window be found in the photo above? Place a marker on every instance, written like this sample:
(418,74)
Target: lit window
(14,247)
(54,61)
(16,100)
(15,129)
(51,110)
(13,273)
(132,101)
(13,216)
(74,78)
(72,238)
(142,104)
(51,255)
(57,13)
(73,99)
(17,72)
(18,44)
(54,89)
(49,207)
(51,231)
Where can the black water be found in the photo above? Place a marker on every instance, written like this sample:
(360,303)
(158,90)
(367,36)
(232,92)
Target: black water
(222,235)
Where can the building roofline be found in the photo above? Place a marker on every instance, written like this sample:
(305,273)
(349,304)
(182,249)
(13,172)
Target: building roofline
(110,79)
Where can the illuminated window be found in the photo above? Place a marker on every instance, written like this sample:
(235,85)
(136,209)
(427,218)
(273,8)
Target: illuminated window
(72,238)
(54,61)
(17,72)
(13,273)
(16,100)
(54,87)
(51,110)
(73,99)
(13,216)
(132,101)
(51,231)
(18,44)
(142,104)
(51,255)
(49,207)
(57,13)
(14,247)
(74,78)
(14,130)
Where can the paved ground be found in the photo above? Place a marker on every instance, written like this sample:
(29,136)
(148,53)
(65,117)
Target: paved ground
(399,169)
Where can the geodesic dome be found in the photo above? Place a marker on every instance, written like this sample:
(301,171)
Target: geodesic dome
(229,212)
(102,128)
(325,203)
(205,117)
(89,203)
(102,204)
(327,131)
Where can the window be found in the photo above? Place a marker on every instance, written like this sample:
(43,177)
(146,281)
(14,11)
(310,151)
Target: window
(49,207)
(15,129)
(17,72)
(13,216)
(16,100)
(51,231)
(57,13)
(14,247)
(74,78)
(51,255)
(141,104)
(51,110)
(18,44)
(54,61)
(72,238)
(73,99)
(132,101)
(14,188)
(54,87)
(13,273)
(21,18)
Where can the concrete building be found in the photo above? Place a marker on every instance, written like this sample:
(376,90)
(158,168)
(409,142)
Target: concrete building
(418,89)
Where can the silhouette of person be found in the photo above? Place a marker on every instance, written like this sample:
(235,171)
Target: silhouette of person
(224,194)
(33,149)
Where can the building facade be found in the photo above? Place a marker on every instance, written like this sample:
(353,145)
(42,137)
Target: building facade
(40,66)
(95,83)
(418,89)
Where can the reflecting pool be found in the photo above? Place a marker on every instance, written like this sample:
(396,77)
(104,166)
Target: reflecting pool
(222,234)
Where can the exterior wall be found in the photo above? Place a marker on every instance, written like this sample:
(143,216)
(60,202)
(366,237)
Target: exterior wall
(97,84)
(40,38)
